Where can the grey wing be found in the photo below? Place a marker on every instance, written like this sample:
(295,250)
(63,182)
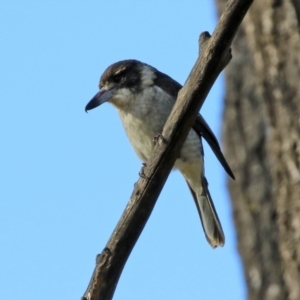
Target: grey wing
(202,128)
(172,87)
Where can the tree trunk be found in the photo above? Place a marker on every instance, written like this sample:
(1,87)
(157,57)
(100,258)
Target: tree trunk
(262,143)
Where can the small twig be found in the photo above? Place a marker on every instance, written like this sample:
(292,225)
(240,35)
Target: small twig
(214,56)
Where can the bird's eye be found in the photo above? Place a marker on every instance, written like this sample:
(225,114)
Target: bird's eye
(117,78)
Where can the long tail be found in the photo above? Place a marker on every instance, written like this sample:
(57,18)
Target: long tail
(208,215)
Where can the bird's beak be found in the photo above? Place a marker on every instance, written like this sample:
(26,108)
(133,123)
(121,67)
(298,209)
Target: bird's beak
(101,97)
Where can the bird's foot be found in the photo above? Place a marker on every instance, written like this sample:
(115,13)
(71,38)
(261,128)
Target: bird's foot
(156,137)
(141,173)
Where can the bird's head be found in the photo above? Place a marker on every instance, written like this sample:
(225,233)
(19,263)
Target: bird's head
(121,81)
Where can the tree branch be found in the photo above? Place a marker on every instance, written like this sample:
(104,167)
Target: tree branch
(214,56)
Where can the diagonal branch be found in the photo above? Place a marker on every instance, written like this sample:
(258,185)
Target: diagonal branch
(214,56)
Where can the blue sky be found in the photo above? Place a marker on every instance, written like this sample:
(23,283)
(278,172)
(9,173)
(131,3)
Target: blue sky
(66,176)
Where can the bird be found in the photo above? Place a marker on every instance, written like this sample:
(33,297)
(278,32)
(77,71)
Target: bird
(144,97)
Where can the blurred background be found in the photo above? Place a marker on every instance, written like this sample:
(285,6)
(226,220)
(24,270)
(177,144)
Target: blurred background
(66,176)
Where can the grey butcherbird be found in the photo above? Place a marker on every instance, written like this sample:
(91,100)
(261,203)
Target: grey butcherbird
(144,98)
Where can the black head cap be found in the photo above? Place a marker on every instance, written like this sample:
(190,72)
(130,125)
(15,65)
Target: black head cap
(125,73)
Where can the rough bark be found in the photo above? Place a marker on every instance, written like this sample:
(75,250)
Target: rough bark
(262,143)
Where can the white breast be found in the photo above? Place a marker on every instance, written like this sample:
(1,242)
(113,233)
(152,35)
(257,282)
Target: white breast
(145,118)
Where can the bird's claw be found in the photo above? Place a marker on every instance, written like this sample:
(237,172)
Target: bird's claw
(141,173)
(156,137)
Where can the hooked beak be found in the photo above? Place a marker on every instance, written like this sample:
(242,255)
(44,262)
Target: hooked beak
(101,97)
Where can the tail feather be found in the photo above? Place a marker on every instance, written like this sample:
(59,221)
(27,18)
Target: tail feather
(208,215)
